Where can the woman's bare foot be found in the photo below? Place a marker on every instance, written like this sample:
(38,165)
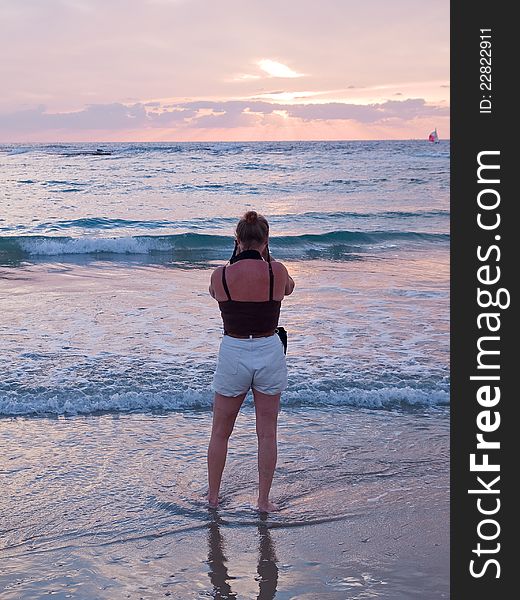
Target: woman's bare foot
(212,502)
(267,506)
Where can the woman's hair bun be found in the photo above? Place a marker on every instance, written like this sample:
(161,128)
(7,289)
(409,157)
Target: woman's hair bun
(251,216)
(252,227)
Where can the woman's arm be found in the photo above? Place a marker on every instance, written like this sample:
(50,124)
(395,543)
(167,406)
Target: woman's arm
(289,281)
(289,284)
(211,286)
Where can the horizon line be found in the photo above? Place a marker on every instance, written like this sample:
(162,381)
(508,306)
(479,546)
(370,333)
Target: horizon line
(425,139)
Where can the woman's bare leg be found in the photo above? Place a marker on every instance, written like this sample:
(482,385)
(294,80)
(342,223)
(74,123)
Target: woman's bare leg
(266,408)
(225,411)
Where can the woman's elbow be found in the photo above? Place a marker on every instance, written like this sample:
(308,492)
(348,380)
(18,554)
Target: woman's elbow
(289,287)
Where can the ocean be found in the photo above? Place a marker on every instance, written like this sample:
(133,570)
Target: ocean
(109,340)
(105,263)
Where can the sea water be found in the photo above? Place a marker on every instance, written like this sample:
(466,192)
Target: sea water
(109,340)
(105,263)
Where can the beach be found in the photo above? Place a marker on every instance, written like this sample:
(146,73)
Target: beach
(112,506)
(109,344)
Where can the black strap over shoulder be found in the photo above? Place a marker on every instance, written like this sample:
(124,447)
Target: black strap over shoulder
(271,281)
(224,283)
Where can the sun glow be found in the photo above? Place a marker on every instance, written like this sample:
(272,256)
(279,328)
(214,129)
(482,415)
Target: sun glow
(277,69)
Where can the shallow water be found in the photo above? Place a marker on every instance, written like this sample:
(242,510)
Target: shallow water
(99,506)
(82,338)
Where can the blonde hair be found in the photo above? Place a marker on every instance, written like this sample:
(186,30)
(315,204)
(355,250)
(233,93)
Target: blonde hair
(252,227)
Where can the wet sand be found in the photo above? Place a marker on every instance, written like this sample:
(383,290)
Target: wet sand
(111,506)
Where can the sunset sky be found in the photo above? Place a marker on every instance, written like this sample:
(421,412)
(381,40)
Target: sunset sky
(172,70)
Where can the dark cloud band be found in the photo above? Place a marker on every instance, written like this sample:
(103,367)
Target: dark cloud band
(195,115)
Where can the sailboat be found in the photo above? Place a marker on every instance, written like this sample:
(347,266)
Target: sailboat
(433,137)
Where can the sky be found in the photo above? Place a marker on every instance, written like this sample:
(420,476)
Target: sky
(207,70)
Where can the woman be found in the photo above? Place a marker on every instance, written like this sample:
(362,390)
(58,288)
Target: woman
(249,291)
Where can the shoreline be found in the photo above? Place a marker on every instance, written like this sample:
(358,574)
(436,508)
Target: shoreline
(113,506)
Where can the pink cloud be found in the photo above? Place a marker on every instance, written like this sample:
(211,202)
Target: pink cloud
(225,114)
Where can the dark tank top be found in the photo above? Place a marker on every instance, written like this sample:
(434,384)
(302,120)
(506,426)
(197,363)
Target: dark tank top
(249,318)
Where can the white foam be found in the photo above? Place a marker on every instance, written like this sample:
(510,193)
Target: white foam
(86,245)
(16,404)
(371,398)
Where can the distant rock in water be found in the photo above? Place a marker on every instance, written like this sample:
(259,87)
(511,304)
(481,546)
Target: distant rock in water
(96,152)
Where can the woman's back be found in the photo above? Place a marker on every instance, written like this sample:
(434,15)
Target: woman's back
(248,281)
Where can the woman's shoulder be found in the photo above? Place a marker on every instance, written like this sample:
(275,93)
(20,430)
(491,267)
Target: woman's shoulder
(217,273)
(278,266)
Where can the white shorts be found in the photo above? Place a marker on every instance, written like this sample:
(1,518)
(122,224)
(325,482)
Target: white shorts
(245,363)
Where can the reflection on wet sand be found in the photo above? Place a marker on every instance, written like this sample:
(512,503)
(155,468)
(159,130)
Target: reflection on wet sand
(218,572)
(267,569)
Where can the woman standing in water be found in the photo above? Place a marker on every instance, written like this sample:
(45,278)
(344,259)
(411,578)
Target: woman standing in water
(249,292)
